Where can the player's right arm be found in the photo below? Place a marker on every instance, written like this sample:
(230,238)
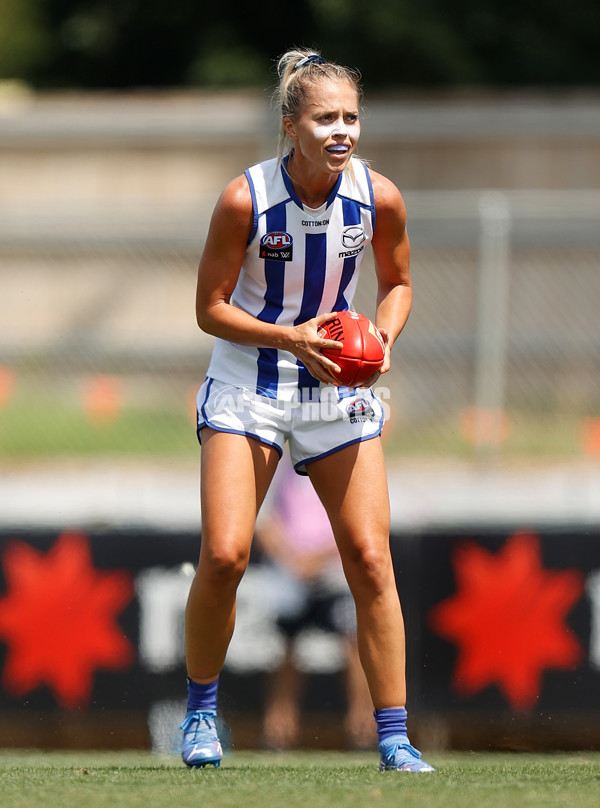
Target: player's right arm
(218,273)
(220,265)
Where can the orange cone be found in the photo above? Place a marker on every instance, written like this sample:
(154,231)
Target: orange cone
(102,400)
(7,385)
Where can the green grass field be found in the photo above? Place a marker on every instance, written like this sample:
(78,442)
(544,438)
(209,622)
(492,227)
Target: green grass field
(296,780)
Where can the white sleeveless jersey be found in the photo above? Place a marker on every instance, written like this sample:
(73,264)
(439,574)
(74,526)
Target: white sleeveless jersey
(300,262)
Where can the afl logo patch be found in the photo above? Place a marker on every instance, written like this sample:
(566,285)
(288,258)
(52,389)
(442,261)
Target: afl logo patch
(276,246)
(360,410)
(353,236)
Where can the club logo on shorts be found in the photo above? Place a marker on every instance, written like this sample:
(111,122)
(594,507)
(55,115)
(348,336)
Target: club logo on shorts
(360,410)
(276,246)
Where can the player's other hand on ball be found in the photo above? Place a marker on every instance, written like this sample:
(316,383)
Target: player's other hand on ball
(387,349)
(385,365)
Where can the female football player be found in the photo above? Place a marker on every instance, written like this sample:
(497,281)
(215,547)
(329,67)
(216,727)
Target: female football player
(283,251)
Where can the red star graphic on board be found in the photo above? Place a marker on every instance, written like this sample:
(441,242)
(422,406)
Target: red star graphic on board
(58,618)
(507,619)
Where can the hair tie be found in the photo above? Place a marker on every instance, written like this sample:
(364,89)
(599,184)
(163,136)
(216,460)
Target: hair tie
(314,57)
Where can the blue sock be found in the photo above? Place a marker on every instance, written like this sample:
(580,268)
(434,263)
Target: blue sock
(390,721)
(202,697)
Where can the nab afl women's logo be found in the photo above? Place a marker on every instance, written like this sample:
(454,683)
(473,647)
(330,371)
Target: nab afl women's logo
(276,247)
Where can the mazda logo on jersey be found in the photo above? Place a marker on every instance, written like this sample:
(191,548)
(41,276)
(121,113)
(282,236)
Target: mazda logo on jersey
(353,236)
(276,246)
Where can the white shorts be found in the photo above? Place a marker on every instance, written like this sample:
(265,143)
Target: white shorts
(314,429)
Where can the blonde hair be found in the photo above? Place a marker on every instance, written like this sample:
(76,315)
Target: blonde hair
(298,69)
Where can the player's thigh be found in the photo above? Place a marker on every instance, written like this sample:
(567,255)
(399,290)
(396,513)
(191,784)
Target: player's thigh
(352,485)
(236,472)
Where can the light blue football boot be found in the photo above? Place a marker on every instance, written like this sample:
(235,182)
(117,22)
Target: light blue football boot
(398,755)
(201,746)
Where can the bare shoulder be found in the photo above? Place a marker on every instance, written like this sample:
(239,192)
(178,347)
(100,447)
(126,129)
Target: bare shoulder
(233,212)
(389,205)
(236,196)
(388,199)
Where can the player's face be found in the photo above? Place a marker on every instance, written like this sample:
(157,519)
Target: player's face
(327,128)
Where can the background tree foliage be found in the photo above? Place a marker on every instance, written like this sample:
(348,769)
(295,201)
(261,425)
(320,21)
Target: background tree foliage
(396,43)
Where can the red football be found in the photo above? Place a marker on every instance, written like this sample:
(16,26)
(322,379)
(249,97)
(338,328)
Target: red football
(362,351)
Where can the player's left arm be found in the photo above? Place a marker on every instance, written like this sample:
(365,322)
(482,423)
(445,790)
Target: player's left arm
(391,249)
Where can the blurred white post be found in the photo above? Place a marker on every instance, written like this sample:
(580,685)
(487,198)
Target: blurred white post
(492,321)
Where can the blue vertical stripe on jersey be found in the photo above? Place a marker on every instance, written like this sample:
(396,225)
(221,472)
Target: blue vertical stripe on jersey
(351,212)
(268,373)
(315,266)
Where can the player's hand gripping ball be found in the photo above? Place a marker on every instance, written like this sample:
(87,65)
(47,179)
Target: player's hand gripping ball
(362,351)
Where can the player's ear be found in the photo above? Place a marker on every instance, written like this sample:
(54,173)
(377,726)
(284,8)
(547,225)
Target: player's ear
(290,128)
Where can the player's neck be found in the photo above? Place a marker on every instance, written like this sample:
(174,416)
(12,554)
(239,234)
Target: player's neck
(311,186)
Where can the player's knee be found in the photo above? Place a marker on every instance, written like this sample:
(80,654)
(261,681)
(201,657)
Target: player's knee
(368,571)
(226,565)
